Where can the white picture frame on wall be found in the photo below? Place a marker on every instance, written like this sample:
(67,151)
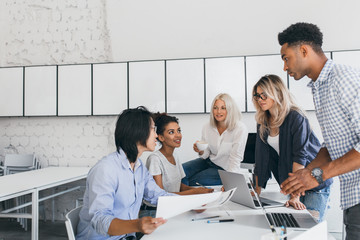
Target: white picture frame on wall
(225,75)
(185,86)
(11,91)
(40,91)
(74,90)
(147,85)
(110,88)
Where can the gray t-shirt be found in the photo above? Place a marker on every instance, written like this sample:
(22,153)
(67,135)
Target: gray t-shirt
(158,164)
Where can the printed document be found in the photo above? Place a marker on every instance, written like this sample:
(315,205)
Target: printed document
(170,206)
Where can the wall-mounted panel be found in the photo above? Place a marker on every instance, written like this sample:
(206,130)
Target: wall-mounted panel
(110,92)
(147,85)
(351,58)
(74,90)
(11,91)
(40,91)
(225,75)
(258,66)
(302,92)
(185,86)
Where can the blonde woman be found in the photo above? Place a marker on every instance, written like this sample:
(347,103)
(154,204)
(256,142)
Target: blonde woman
(226,136)
(285,143)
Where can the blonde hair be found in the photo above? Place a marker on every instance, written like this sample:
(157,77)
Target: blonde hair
(284,102)
(233,114)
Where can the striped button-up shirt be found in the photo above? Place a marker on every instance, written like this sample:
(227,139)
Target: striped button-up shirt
(336,95)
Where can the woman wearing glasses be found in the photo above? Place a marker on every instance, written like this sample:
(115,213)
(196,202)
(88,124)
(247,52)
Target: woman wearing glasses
(226,136)
(163,164)
(285,143)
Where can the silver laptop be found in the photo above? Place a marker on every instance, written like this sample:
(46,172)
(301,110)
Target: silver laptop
(242,194)
(276,219)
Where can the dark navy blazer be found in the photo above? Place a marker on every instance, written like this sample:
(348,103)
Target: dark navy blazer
(297,143)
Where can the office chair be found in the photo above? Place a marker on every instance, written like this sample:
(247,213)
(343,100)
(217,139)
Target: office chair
(249,153)
(14,163)
(71,221)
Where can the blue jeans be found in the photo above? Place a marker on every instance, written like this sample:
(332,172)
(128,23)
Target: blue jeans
(317,201)
(352,222)
(202,171)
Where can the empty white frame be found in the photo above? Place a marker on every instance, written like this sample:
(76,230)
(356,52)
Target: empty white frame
(110,91)
(225,75)
(147,85)
(258,66)
(351,58)
(74,90)
(302,92)
(11,91)
(40,91)
(185,86)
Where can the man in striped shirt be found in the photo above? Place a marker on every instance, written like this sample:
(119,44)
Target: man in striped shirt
(336,93)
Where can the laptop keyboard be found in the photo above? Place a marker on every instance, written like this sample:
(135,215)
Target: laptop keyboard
(279,219)
(262,203)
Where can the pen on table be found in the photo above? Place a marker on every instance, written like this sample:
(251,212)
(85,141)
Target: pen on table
(272,229)
(283,230)
(201,185)
(220,220)
(204,218)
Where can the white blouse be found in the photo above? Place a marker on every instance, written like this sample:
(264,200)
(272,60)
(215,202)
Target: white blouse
(225,150)
(274,143)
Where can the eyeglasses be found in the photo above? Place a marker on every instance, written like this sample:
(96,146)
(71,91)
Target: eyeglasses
(257,96)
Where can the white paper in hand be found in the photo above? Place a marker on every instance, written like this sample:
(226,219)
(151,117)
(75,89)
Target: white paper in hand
(170,206)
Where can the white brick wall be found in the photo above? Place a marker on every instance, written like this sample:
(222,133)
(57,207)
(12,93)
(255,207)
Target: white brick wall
(60,141)
(41,32)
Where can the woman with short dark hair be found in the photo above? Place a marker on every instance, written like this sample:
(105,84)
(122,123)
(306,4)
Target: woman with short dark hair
(117,184)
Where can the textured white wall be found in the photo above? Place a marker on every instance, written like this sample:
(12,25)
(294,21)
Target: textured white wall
(62,141)
(53,32)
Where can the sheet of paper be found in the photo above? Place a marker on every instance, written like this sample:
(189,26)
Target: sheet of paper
(170,206)
(222,199)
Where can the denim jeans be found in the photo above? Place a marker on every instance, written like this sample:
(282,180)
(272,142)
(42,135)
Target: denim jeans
(202,171)
(317,201)
(352,222)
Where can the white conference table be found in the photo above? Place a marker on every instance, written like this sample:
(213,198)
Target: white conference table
(248,223)
(31,182)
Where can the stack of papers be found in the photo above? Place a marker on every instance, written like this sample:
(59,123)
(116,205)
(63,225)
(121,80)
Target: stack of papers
(170,206)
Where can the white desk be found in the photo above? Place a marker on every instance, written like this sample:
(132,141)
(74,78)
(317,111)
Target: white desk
(249,223)
(20,184)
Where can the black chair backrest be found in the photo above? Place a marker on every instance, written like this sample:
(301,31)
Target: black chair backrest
(249,154)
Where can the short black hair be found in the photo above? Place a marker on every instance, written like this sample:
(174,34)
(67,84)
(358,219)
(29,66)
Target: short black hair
(132,127)
(161,120)
(302,33)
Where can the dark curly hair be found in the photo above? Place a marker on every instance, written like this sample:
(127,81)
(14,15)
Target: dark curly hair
(161,121)
(302,33)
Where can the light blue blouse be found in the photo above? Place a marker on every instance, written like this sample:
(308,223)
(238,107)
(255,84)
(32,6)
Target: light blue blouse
(113,190)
